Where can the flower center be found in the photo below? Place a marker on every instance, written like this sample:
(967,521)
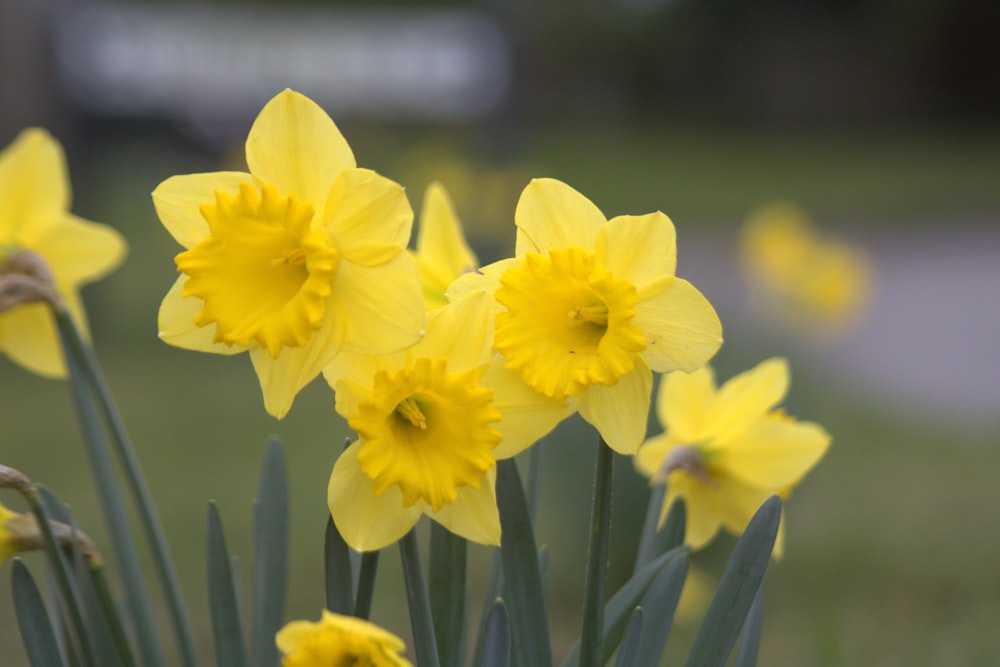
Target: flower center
(568,323)
(263,273)
(689,459)
(427,431)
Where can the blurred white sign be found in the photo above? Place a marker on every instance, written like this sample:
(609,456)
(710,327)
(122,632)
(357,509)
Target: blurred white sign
(218,61)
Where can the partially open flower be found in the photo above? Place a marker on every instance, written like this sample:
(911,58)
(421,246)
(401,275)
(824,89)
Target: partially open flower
(341,641)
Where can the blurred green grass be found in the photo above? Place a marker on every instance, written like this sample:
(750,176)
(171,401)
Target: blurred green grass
(891,542)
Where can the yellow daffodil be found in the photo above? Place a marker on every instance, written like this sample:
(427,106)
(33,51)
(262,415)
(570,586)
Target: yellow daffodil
(822,285)
(589,306)
(431,422)
(8,544)
(343,641)
(442,253)
(42,242)
(727,450)
(294,261)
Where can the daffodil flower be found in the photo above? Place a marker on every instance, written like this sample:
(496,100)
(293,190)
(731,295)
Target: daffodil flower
(727,450)
(431,422)
(9,544)
(442,252)
(822,285)
(344,641)
(300,258)
(590,306)
(41,242)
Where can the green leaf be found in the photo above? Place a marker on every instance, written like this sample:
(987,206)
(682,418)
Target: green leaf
(522,580)
(659,603)
(447,592)
(339,578)
(32,618)
(621,604)
(421,620)
(746,655)
(366,584)
(653,542)
(222,598)
(496,637)
(494,585)
(270,556)
(737,588)
(628,650)
(595,580)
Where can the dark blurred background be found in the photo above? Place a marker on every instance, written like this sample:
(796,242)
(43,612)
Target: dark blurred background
(881,119)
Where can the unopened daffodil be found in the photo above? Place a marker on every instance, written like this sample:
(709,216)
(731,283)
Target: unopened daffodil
(727,449)
(341,641)
(442,252)
(46,252)
(300,258)
(590,306)
(431,421)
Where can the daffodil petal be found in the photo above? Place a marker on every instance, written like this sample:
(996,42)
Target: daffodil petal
(649,458)
(738,502)
(551,214)
(281,378)
(442,251)
(384,304)
(461,332)
(175,322)
(685,404)
(473,515)
(701,505)
(28,336)
(349,395)
(178,202)
(681,327)
(80,251)
(747,397)
(619,412)
(640,249)
(485,278)
(527,415)
(361,368)
(367,521)
(368,217)
(295,146)
(775,453)
(34,185)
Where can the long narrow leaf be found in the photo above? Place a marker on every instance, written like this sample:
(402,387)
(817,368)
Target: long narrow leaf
(621,604)
(108,492)
(659,603)
(595,581)
(36,630)
(653,541)
(628,650)
(270,562)
(494,585)
(746,655)
(107,652)
(222,598)
(424,642)
(496,637)
(337,567)
(737,588)
(366,584)
(522,581)
(162,560)
(447,592)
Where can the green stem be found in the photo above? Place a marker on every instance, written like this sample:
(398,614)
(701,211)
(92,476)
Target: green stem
(111,614)
(597,559)
(366,584)
(107,488)
(424,645)
(162,560)
(70,593)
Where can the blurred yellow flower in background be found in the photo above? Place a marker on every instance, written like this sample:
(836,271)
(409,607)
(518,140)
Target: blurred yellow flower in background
(819,284)
(431,422)
(589,307)
(8,545)
(341,641)
(726,450)
(442,253)
(41,241)
(295,261)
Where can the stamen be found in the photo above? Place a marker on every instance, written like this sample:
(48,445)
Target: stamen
(597,314)
(296,257)
(410,410)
